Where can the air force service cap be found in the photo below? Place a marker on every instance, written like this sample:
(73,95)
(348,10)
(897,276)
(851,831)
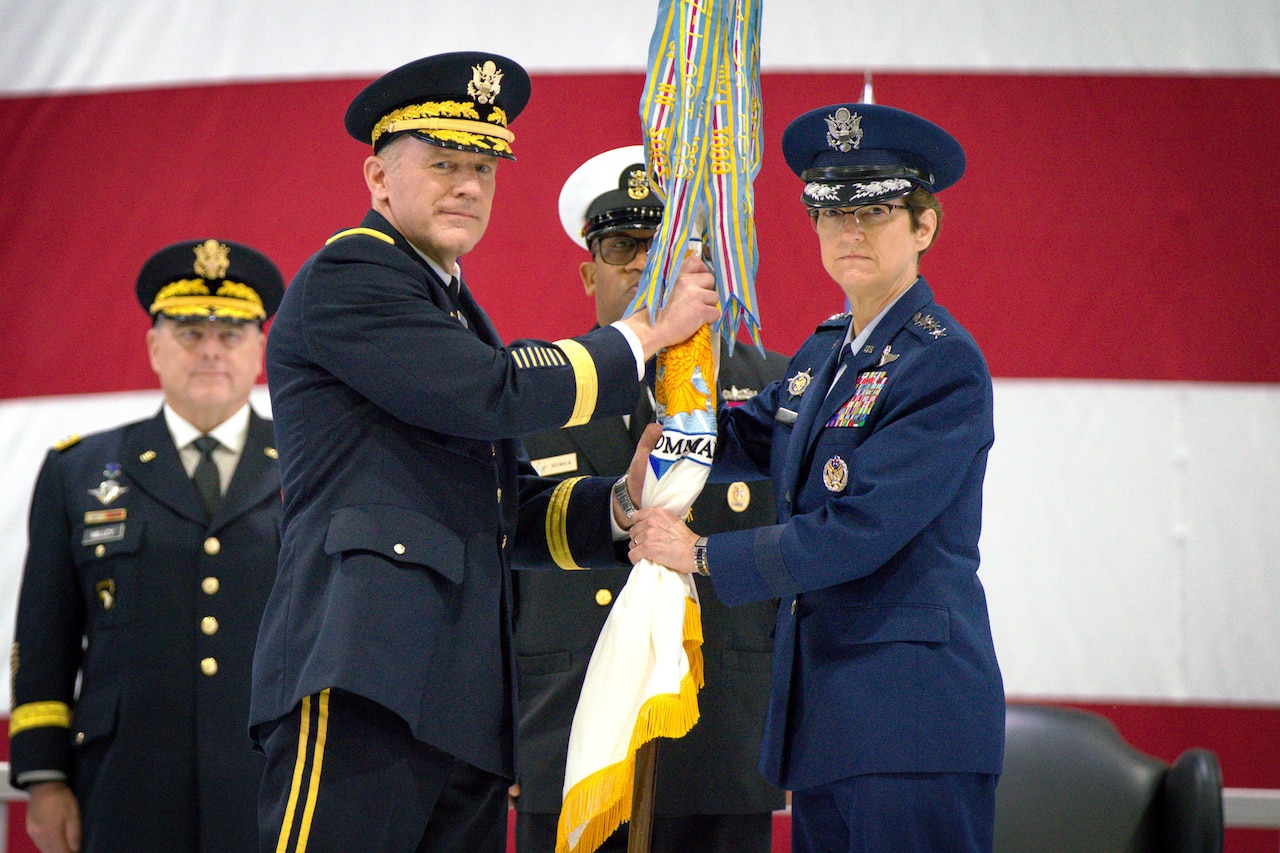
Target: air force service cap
(608,193)
(463,100)
(210,279)
(856,154)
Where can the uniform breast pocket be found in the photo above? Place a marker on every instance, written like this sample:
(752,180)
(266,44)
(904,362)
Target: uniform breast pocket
(109,557)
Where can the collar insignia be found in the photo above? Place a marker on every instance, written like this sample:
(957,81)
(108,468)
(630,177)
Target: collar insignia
(844,130)
(212,259)
(486,82)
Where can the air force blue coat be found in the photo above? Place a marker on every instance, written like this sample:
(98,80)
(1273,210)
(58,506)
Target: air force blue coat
(883,659)
(406,491)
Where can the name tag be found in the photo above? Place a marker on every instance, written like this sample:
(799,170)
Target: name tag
(785,417)
(105,533)
(549,466)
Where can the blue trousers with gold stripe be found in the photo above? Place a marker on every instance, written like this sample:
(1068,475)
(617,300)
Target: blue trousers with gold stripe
(344,773)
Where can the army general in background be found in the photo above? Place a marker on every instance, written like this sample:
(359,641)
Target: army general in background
(886,719)
(383,688)
(152,550)
(710,796)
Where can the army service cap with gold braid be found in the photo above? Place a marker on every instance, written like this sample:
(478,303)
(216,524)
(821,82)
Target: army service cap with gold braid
(463,101)
(213,279)
(608,193)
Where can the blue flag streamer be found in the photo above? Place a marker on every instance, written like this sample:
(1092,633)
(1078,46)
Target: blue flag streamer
(701,117)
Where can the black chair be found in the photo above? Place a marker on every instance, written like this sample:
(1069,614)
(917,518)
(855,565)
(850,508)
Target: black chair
(1071,784)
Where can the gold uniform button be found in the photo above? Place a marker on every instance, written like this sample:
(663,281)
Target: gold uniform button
(499,495)
(210,585)
(738,496)
(79,738)
(603,597)
(504,540)
(212,545)
(209,625)
(398,548)
(100,550)
(209,666)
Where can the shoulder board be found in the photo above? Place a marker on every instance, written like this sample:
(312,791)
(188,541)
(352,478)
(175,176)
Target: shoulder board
(927,327)
(368,232)
(836,320)
(69,441)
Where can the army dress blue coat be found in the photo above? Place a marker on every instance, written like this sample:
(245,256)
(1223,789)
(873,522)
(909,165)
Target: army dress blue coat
(883,657)
(406,491)
(167,604)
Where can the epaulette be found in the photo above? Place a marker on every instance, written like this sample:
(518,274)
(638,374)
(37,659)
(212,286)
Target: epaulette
(69,441)
(368,232)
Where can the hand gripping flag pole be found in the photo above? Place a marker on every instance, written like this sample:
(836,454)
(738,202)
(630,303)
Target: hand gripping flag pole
(701,116)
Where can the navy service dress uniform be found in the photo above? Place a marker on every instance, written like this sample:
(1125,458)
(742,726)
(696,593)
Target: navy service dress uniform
(406,493)
(152,606)
(713,769)
(883,656)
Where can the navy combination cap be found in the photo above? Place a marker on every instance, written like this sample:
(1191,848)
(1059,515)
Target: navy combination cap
(608,193)
(210,279)
(460,100)
(854,154)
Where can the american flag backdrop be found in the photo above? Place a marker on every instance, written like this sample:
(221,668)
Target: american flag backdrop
(1113,247)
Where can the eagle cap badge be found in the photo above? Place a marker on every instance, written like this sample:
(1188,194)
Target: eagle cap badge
(844,130)
(486,82)
(212,259)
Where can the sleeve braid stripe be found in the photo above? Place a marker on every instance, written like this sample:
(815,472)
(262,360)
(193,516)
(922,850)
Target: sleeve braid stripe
(558,524)
(35,715)
(584,371)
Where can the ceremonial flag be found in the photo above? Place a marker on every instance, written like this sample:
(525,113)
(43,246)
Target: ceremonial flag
(701,113)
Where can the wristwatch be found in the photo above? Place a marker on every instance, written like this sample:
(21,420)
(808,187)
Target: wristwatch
(624,499)
(700,557)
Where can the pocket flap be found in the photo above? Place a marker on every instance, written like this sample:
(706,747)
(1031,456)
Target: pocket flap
(899,623)
(398,534)
(95,715)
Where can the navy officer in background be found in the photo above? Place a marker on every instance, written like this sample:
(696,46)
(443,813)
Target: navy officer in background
(383,690)
(887,713)
(710,796)
(152,551)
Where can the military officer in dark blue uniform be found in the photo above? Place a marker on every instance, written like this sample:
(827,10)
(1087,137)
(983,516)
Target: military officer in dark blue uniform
(887,712)
(383,689)
(710,796)
(152,550)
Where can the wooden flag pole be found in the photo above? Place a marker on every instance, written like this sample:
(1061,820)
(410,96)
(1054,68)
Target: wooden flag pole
(643,787)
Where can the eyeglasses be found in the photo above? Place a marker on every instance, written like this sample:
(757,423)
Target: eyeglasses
(869,217)
(620,249)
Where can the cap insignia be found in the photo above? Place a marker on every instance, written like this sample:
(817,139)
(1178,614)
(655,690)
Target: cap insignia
(637,184)
(486,82)
(844,130)
(212,259)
